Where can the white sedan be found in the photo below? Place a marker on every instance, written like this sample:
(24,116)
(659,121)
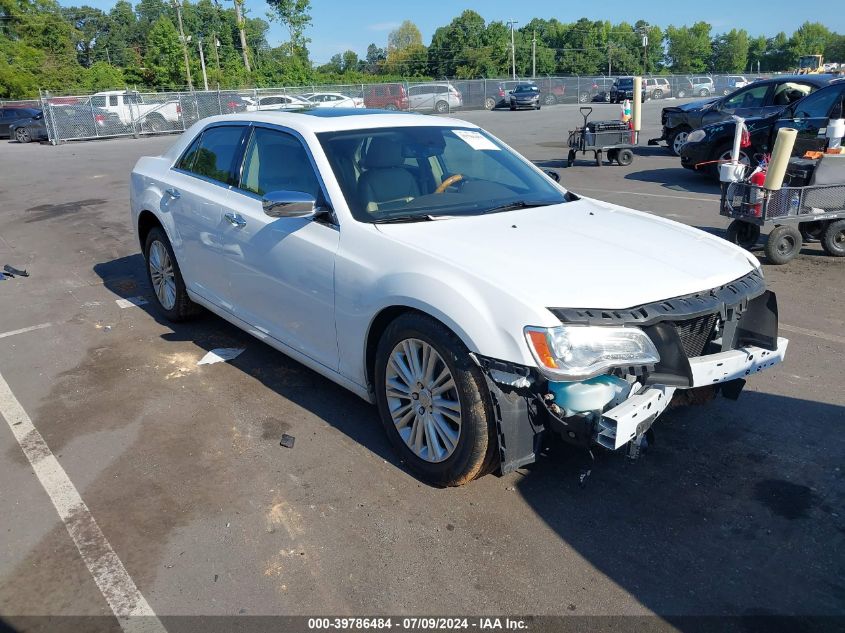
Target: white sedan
(276,102)
(332,100)
(430,269)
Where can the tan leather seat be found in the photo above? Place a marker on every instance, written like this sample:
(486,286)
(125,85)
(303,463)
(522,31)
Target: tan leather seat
(385,179)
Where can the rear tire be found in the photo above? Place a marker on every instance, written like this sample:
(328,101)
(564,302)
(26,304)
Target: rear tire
(549,99)
(625,157)
(833,239)
(448,449)
(391,106)
(441,107)
(584,97)
(743,234)
(783,244)
(173,301)
(489,103)
(153,123)
(657,94)
(682,94)
(704,92)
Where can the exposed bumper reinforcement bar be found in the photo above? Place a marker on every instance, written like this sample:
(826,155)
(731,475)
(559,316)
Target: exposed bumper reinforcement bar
(635,416)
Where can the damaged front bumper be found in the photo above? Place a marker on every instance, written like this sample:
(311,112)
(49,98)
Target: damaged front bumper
(709,342)
(635,416)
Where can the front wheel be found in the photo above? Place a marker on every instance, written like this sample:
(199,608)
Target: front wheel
(833,239)
(657,94)
(676,141)
(171,296)
(391,106)
(783,244)
(433,401)
(584,97)
(743,234)
(22,135)
(704,92)
(682,94)
(625,157)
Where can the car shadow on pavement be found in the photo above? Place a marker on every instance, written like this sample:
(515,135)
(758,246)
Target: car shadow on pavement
(675,179)
(735,510)
(126,278)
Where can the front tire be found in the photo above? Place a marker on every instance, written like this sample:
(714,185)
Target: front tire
(433,401)
(625,157)
(704,92)
(676,140)
(171,296)
(783,244)
(584,97)
(22,135)
(657,94)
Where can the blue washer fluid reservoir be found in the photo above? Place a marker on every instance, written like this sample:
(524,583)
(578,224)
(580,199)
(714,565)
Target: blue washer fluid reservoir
(588,395)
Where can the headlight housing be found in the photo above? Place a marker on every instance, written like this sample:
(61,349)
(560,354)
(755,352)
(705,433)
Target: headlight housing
(696,136)
(578,352)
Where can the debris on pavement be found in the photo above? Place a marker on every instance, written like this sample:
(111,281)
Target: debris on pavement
(130,302)
(220,355)
(14,272)
(287,440)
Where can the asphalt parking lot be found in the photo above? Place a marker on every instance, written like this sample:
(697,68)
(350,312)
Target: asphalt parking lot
(738,509)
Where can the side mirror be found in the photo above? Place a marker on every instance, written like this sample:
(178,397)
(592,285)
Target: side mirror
(289,204)
(552,174)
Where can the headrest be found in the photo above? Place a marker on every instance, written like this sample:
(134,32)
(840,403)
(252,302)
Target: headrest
(383,152)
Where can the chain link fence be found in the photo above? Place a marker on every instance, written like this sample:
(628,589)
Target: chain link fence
(133,113)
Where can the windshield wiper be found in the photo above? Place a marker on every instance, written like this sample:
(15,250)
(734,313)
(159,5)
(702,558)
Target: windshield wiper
(416,217)
(518,204)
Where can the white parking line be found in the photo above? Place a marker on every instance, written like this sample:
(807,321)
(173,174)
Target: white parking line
(130,302)
(639,193)
(117,587)
(813,333)
(24,330)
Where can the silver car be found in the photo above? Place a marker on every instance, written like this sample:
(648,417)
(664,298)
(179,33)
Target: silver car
(440,98)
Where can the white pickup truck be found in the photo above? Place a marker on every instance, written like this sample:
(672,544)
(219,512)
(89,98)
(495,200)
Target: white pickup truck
(131,108)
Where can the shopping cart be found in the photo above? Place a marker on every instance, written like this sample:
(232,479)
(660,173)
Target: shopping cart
(615,138)
(796,213)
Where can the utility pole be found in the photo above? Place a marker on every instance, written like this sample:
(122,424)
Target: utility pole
(184,40)
(609,46)
(534,55)
(645,54)
(216,54)
(240,18)
(513,48)
(202,63)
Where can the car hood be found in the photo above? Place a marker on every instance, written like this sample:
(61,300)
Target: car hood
(580,254)
(691,106)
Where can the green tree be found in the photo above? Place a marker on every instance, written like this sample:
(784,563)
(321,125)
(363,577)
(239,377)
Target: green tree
(811,38)
(688,48)
(730,52)
(375,59)
(103,76)
(165,65)
(405,36)
(294,14)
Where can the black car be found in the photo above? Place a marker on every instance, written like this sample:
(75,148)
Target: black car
(623,88)
(760,98)
(70,122)
(808,115)
(525,96)
(10,115)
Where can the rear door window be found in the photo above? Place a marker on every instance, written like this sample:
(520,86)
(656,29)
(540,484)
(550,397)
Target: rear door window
(214,154)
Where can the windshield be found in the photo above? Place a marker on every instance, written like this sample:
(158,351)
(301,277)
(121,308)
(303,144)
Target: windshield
(625,83)
(415,173)
(526,89)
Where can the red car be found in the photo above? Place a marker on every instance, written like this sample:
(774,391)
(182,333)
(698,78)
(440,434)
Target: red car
(386,96)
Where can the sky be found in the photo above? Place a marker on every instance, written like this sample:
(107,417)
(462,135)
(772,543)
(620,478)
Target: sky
(340,25)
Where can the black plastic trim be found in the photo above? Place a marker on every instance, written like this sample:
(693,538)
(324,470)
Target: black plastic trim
(743,289)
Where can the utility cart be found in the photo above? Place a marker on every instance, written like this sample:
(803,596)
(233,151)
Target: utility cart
(797,214)
(614,138)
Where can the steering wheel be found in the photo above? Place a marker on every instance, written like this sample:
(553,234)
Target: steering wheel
(451,180)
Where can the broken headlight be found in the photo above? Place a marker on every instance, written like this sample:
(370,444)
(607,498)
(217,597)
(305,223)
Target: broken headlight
(578,352)
(696,136)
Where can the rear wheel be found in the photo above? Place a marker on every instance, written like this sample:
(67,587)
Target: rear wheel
(441,107)
(812,231)
(682,93)
(489,103)
(625,157)
(783,244)
(433,401)
(743,234)
(171,296)
(704,92)
(154,123)
(549,99)
(391,106)
(22,135)
(584,97)
(570,159)
(657,94)
(833,239)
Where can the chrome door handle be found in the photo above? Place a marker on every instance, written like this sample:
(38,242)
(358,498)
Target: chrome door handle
(235,219)
(173,193)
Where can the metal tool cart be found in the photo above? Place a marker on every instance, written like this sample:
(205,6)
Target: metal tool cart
(796,213)
(615,138)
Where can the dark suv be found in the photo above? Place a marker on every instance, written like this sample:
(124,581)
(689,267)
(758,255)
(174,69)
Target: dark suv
(623,88)
(808,115)
(757,99)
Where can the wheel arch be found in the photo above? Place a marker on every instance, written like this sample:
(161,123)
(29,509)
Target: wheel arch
(147,220)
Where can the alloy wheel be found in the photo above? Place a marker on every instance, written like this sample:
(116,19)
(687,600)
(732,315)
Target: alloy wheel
(22,135)
(423,400)
(162,275)
(743,157)
(678,142)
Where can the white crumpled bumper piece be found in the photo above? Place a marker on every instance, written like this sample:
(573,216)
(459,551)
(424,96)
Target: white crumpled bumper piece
(634,416)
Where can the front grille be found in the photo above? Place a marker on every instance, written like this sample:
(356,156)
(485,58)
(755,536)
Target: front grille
(696,333)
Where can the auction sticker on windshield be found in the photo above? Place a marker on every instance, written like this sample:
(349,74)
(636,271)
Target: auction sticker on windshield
(476,140)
